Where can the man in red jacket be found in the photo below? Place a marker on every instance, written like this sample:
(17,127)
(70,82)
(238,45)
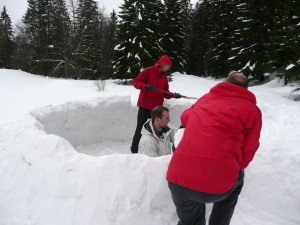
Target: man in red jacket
(221,136)
(150,81)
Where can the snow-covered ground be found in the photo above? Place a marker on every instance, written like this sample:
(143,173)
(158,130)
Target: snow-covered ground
(65,159)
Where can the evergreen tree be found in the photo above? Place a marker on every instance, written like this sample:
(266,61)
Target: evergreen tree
(6,40)
(87,40)
(59,43)
(200,44)
(241,54)
(102,43)
(37,25)
(138,37)
(222,38)
(286,41)
(251,52)
(109,44)
(262,23)
(23,50)
(72,6)
(174,24)
(47,27)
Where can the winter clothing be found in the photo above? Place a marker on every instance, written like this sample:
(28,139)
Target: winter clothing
(156,144)
(143,116)
(164,60)
(150,88)
(222,131)
(156,78)
(176,95)
(149,97)
(190,205)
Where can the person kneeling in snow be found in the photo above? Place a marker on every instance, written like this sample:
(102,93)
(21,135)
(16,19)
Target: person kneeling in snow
(157,137)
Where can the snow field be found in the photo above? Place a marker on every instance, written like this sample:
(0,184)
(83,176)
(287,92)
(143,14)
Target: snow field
(45,180)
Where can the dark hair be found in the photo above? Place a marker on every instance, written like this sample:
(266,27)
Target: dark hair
(158,111)
(237,78)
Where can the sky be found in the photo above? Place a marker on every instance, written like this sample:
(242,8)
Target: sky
(17,8)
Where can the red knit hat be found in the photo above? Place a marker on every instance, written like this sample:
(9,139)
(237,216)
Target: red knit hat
(164,60)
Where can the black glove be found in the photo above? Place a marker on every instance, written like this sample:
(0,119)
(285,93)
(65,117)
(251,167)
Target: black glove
(150,88)
(177,95)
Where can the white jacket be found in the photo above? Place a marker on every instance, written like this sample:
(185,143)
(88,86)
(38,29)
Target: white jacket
(154,146)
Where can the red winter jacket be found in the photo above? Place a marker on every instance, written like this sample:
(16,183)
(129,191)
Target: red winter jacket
(156,78)
(221,136)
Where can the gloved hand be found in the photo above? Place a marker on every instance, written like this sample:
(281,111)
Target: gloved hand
(150,88)
(177,95)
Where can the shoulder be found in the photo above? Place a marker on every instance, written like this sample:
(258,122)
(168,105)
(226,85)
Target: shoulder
(171,130)
(148,69)
(148,138)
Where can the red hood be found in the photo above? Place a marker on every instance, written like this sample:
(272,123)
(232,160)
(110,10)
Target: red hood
(164,60)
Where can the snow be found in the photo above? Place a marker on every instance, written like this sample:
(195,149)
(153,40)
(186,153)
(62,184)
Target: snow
(65,160)
(117,47)
(151,31)
(252,67)
(137,57)
(231,58)
(247,65)
(134,39)
(235,48)
(290,66)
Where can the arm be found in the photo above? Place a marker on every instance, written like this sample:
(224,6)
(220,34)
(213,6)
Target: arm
(167,96)
(185,116)
(251,142)
(141,80)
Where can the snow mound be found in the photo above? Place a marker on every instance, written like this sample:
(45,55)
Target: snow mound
(76,188)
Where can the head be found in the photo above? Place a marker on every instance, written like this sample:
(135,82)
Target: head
(165,68)
(237,78)
(164,63)
(160,117)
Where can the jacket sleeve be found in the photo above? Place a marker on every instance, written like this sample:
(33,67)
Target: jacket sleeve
(167,96)
(147,146)
(141,80)
(251,142)
(185,116)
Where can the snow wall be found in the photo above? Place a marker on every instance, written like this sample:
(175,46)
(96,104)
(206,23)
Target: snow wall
(102,119)
(53,184)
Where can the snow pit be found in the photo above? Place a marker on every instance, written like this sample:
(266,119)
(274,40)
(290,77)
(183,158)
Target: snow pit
(102,126)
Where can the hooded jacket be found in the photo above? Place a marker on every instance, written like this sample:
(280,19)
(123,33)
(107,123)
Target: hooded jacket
(153,144)
(221,136)
(155,77)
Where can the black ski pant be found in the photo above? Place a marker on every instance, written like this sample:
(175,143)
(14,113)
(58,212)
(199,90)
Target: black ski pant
(190,204)
(143,116)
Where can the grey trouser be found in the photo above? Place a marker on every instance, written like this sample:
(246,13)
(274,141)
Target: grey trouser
(190,204)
